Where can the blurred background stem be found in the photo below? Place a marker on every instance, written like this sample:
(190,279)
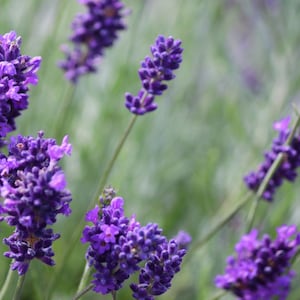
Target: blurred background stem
(19,287)
(6,284)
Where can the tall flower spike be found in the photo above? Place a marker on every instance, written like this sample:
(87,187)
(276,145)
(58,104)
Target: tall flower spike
(288,167)
(120,246)
(17,71)
(33,187)
(93,32)
(154,71)
(260,268)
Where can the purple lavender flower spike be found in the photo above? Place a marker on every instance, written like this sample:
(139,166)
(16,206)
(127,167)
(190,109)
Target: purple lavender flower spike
(154,71)
(183,239)
(93,32)
(287,169)
(156,276)
(33,187)
(17,71)
(260,268)
(120,246)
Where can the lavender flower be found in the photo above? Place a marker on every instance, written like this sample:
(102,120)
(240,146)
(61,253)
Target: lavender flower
(93,31)
(260,269)
(155,277)
(17,71)
(119,246)
(33,187)
(183,239)
(167,56)
(286,170)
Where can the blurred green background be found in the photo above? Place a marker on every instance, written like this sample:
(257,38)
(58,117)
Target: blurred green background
(182,166)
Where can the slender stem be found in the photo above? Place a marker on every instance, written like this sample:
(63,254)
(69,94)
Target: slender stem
(269,176)
(295,258)
(114,295)
(83,292)
(219,226)
(219,295)
(107,171)
(18,291)
(64,110)
(6,284)
(84,277)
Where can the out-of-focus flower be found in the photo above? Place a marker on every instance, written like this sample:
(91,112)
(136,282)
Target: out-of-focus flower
(260,268)
(288,167)
(154,71)
(17,71)
(33,188)
(93,32)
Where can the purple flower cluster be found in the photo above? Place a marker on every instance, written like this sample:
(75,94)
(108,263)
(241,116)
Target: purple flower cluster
(92,33)
(33,187)
(286,170)
(120,246)
(16,73)
(154,71)
(260,269)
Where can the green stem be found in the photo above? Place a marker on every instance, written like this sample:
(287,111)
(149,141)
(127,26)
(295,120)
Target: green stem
(107,171)
(18,291)
(6,284)
(295,258)
(84,277)
(218,226)
(64,110)
(269,176)
(114,295)
(83,292)
(219,295)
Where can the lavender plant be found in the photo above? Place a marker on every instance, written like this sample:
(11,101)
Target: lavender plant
(167,56)
(121,253)
(261,268)
(120,246)
(33,188)
(93,32)
(287,170)
(17,72)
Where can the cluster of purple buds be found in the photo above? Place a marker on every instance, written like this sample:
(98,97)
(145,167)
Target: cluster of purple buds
(260,269)
(120,246)
(287,168)
(16,73)
(154,71)
(33,188)
(93,31)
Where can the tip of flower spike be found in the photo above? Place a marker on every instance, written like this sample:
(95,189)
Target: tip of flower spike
(283,124)
(183,239)
(117,203)
(93,215)
(56,152)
